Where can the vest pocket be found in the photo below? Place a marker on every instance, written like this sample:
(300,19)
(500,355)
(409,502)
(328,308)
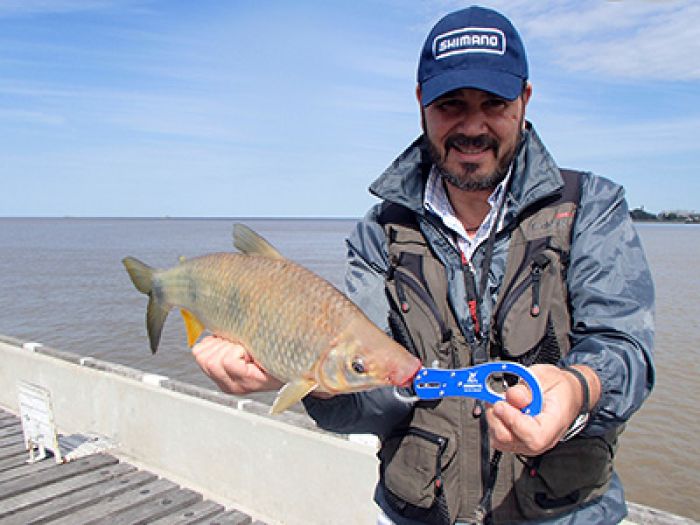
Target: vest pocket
(533,313)
(413,461)
(415,307)
(570,474)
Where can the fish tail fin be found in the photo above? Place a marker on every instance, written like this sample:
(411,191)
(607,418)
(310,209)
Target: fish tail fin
(156,313)
(142,276)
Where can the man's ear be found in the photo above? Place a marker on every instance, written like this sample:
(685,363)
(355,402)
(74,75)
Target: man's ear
(420,107)
(525,97)
(527,93)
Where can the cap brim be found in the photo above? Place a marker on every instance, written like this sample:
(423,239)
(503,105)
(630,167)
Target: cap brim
(497,82)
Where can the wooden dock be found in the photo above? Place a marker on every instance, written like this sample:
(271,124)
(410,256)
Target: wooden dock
(96,489)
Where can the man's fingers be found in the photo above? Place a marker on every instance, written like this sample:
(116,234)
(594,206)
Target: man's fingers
(232,367)
(513,431)
(519,395)
(501,436)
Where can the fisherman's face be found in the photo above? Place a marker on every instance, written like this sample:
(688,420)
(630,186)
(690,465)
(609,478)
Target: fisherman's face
(473,135)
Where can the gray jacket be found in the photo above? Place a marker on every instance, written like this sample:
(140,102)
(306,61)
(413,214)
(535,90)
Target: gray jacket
(609,282)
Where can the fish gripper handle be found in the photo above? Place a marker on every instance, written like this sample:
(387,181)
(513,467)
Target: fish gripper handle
(437,383)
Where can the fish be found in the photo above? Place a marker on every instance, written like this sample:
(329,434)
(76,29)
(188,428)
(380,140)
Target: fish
(296,326)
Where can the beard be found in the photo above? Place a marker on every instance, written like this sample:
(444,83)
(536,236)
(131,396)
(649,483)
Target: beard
(466,176)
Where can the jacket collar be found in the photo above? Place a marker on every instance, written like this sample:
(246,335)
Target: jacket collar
(535,175)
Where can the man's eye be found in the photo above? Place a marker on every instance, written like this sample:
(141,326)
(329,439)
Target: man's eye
(495,103)
(450,105)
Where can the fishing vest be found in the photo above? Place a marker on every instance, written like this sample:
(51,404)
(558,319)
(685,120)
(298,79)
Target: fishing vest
(436,466)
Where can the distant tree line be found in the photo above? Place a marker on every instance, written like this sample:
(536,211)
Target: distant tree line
(690,217)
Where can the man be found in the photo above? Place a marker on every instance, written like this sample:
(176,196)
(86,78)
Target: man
(483,249)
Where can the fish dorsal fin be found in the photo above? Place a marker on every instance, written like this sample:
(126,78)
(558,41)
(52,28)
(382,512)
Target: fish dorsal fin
(193,326)
(291,393)
(250,243)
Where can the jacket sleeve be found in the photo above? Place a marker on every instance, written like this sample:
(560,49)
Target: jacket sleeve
(612,303)
(375,411)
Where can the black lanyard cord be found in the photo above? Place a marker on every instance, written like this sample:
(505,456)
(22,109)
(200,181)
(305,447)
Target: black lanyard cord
(478,294)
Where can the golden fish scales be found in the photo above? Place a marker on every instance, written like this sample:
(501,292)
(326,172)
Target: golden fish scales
(283,313)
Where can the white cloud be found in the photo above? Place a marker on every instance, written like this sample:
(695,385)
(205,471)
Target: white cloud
(655,44)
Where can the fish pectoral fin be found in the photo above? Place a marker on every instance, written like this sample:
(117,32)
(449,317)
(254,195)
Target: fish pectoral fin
(250,243)
(193,326)
(291,393)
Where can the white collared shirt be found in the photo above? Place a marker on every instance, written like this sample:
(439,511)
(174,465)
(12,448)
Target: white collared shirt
(437,201)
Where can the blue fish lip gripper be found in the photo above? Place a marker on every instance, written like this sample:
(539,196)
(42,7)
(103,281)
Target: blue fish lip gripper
(436,383)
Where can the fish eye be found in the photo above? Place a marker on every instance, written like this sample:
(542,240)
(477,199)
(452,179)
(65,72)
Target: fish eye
(358,366)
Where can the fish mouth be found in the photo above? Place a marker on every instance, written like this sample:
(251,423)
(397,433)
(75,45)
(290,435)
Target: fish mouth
(407,380)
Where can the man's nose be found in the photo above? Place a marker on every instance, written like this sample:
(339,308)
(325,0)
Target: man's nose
(472,123)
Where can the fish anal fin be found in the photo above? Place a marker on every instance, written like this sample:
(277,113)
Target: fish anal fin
(193,326)
(250,243)
(291,393)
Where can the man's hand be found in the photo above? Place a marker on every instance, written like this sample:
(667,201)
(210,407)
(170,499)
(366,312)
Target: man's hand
(512,431)
(231,367)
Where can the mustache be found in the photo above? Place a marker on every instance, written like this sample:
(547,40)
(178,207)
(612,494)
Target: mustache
(463,143)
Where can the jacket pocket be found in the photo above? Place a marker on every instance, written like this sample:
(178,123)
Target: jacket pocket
(570,474)
(413,462)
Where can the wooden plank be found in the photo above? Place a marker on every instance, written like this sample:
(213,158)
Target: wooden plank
(11,440)
(10,423)
(13,462)
(24,468)
(39,479)
(232,517)
(110,507)
(13,450)
(78,501)
(192,514)
(68,486)
(153,509)
(10,430)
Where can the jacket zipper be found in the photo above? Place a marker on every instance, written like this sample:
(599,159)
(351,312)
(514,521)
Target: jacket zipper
(538,265)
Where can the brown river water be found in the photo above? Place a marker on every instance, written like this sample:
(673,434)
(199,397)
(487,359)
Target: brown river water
(62,284)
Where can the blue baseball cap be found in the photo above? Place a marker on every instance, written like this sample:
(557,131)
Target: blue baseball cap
(472,48)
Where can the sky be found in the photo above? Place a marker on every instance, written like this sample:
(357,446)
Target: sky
(253,108)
